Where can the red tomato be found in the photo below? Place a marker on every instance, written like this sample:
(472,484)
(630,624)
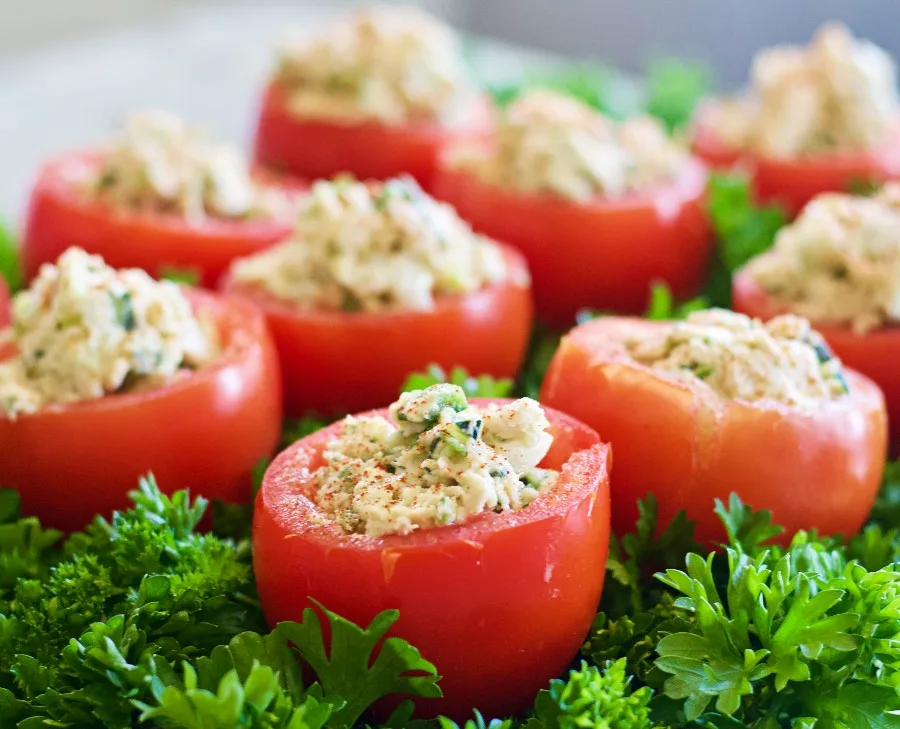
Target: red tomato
(794,182)
(205,432)
(4,304)
(336,361)
(605,254)
(818,470)
(314,149)
(60,217)
(500,604)
(875,353)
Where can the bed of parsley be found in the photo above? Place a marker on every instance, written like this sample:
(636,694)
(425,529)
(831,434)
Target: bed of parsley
(142,621)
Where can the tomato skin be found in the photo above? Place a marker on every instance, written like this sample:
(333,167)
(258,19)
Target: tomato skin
(59,217)
(205,432)
(4,304)
(337,362)
(312,148)
(874,353)
(500,604)
(817,470)
(605,254)
(794,182)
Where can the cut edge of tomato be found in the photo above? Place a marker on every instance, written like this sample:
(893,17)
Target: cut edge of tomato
(60,175)
(267,302)
(603,340)
(688,184)
(285,487)
(234,320)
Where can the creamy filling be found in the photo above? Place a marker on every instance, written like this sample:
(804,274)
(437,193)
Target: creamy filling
(839,262)
(160,164)
(374,247)
(783,361)
(550,143)
(84,330)
(386,63)
(839,93)
(435,461)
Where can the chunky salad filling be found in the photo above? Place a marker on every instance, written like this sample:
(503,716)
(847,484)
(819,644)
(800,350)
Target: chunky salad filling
(839,93)
(372,247)
(385,63)
(84,330)
(839,262)
(783,361)
(160,164)
(436,461)
(547,142)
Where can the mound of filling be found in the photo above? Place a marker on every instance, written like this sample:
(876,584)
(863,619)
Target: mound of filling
(385,63)
(372,247)
(85,330)
(437,460)
(160,164)
(783,361)
(839,262)
(839,93)
(547,142)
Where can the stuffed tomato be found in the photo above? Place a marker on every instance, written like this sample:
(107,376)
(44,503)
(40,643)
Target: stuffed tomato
(112,375)
(381,281)
(377,94)
(599,222)
(159,198)
(838,264)
(478,521)
(817,119)
(721,404)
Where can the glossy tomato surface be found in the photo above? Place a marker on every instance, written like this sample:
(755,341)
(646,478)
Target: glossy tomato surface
(60,216)
(312,149)
(876,354)
(794,182)
(4,304)
(604,254)
(337,362)
(814,469)
(205,431)
(500,604)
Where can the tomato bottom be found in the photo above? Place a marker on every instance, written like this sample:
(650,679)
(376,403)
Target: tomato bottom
(500,604)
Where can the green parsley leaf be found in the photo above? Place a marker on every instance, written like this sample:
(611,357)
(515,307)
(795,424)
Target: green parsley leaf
(473,386)
(543,345)
(673,89)
(742,228)
(184,276)
(782,632)
(10,260)
(663,307)
(887,508)
(348,670)
(635,556)
(591,698)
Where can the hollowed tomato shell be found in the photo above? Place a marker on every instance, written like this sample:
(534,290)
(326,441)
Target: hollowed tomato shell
(339,362)
(205,431)
(874,353)
(312,148)
(817,469)
(605,254)
(793,182)
(500,603)
(61,216)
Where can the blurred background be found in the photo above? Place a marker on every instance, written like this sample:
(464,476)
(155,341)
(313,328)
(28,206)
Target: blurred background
(71,69)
